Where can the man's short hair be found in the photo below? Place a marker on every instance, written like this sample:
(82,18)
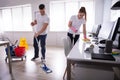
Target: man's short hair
(41,6)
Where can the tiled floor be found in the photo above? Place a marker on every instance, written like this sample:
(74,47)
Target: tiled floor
(30,70)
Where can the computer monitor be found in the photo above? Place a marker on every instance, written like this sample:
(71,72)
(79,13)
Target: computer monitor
(105,30)
(115,30)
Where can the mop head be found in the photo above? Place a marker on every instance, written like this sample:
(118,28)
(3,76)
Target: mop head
(45,68)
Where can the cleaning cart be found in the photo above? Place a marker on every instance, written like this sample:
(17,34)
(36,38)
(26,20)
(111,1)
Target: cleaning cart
(15,51)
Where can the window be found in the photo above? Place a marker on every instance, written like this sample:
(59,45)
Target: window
(57,16)
(16,18)
(73,10)
(7,19)
(1,29)
(61,11)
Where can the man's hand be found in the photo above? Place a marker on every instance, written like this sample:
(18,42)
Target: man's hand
(33,23)
(36,35)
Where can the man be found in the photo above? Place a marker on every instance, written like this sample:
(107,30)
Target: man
(41,21)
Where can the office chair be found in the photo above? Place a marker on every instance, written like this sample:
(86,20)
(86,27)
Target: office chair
(95,30)
(67,48)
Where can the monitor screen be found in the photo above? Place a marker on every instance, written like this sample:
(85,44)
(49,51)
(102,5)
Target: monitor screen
(105,30)
(115,30)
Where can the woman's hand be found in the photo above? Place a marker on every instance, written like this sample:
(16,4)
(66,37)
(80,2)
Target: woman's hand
(73,29)
(86,39)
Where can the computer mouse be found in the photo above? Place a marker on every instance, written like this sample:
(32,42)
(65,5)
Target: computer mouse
(90,35)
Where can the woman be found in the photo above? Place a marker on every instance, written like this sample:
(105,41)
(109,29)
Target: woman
(74,24)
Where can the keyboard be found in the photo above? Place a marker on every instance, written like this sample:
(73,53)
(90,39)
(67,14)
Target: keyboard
(103,56)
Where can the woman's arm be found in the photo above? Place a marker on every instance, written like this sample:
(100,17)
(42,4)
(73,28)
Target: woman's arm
(71,27)
(84,31)
(70,24)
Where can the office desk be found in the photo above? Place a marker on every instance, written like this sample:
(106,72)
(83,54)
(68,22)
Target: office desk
(77,55)
(2,43)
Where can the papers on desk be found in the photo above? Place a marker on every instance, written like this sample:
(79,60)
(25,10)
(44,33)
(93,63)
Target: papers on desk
(115,51)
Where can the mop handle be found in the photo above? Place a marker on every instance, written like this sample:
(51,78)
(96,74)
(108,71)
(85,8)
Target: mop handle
(35,13)
(37,40)
(35,37)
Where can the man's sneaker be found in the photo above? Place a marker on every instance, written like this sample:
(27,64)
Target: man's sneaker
(42,60)
(34,58)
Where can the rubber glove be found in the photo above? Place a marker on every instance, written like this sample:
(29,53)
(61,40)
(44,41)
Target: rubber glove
(73,29)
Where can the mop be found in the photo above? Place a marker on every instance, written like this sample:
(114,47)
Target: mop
(42,65)
(45,68)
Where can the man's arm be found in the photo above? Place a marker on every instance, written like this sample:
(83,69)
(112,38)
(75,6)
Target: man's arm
(42,30)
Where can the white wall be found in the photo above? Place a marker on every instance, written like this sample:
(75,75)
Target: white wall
(107,10)
(99,7)
(13,36)
(54,38)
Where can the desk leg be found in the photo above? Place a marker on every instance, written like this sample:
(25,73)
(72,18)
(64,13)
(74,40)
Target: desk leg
(116,73)
(68,70)
(9,58)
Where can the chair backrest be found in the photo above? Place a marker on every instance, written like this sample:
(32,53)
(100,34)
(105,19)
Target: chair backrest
(96,30)
(67,45)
